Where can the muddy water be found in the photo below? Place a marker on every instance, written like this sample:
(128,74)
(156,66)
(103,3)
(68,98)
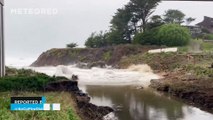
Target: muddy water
(135,104)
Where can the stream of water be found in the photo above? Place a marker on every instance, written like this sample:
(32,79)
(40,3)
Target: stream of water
(119,90)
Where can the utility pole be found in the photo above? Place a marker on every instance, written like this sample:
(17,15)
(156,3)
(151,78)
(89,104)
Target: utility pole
(2,59)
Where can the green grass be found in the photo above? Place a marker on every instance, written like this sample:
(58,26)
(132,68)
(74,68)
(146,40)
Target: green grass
(204,46)
(208,36)
(25,80)
(65,99)
(183,49)
(207,46)
(25,83)
(198,70)
(107,56)
(160,61)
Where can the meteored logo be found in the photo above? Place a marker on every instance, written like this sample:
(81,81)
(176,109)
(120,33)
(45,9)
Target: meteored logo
(32,103)
(34,11)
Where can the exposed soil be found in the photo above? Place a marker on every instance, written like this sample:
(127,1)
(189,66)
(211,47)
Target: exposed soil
(198,91)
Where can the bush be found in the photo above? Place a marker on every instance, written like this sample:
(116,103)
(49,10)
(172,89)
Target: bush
(27,83)
(208,37)
(147,38)
(169,35)
(173,35)
(72,45)
(97,40)
(25,80)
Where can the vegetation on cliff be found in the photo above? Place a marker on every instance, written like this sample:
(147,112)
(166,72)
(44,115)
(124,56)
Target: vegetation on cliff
(24,80)
(108,55)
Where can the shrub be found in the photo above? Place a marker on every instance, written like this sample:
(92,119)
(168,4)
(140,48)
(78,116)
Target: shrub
(25,80)
(168,34)
(147,38)
(27,83)
(97,40)
(72,45)
(173,35)
(208,36)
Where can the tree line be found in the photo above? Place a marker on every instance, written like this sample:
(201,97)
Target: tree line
(133,24)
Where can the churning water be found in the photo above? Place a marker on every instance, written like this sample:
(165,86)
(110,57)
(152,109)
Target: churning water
(116,88)
(135,75)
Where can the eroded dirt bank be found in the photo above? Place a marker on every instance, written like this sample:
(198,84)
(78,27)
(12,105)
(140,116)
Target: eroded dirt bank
(187,76)
(198,91)
(85,109)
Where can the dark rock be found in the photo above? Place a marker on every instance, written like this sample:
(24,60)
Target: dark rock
(82,97)
(74,77)
(93,112)
(90,111)
(65,85)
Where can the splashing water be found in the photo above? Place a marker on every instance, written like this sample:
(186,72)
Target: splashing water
(140,68)
(134,75)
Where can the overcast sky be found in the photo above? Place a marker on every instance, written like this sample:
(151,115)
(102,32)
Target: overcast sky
(28,35)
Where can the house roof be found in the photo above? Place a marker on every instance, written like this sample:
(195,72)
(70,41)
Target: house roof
(207,22)
(2,2)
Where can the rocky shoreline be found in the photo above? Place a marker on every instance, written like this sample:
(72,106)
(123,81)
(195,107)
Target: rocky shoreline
(85,109)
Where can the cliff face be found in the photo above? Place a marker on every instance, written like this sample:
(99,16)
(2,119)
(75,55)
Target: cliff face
(108,55)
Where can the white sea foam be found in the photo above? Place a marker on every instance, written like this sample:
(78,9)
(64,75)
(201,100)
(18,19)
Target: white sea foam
(135,75)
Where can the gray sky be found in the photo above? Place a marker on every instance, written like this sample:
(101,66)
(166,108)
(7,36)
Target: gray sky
(27,36)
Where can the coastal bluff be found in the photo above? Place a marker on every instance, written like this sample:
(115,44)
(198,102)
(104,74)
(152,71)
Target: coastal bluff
(107,55)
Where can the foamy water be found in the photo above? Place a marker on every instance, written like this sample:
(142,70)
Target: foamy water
(135,75)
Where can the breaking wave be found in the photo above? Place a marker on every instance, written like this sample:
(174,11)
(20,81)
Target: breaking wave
(134,75)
